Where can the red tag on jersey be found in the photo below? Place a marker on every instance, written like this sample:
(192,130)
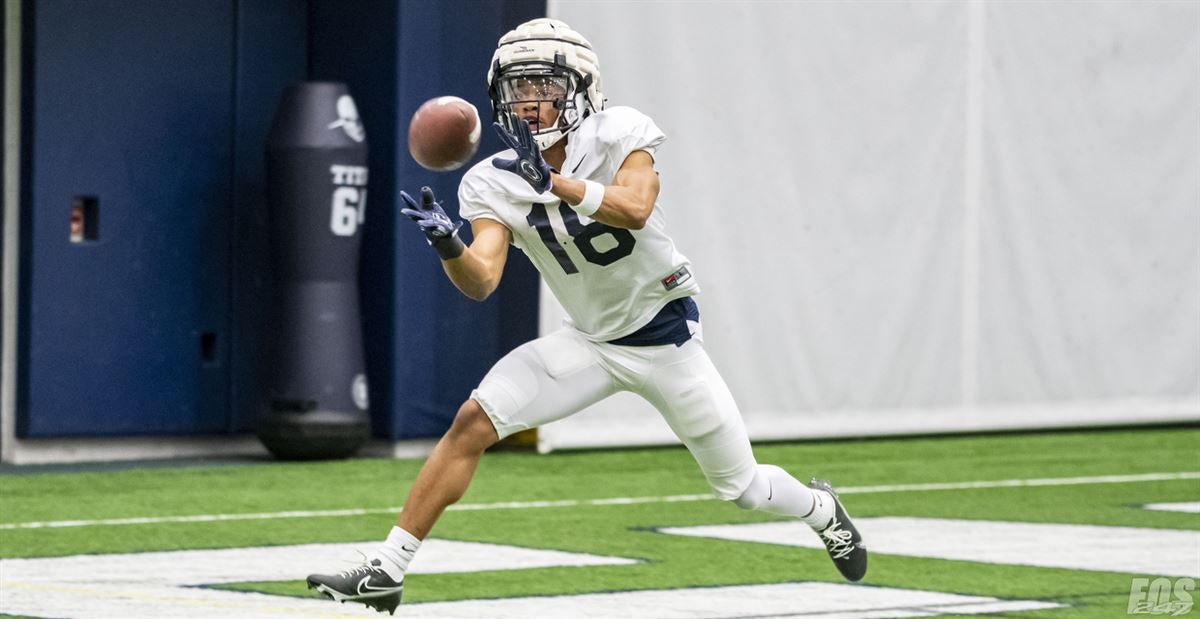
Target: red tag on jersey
(673,280)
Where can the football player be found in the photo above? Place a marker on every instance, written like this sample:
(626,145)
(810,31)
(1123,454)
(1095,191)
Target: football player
(577,193)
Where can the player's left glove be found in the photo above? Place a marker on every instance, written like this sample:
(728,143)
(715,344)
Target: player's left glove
(529,164)
(440,231)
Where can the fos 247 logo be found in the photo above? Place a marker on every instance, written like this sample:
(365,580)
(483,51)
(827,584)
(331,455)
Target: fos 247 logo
(1161,596)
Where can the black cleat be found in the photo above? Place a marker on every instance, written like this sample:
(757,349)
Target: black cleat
(366,584)
(842,540)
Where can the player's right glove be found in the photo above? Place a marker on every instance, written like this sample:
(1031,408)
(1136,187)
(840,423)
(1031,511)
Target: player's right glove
(440,231)
(529,164)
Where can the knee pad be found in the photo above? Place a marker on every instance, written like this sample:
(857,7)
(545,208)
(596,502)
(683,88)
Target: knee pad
(473,425)
(756,494)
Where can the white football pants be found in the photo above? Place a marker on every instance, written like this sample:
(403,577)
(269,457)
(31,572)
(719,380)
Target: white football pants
(562,373)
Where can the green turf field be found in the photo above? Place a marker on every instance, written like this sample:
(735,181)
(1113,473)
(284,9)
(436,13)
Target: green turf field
(629,530)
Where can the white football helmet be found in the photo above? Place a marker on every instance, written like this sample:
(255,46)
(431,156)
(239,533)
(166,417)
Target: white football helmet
(544,61)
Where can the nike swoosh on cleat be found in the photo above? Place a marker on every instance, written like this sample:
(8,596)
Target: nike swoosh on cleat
(364,588)
(770,490)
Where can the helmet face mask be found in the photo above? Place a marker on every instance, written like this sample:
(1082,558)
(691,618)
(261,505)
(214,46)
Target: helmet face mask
(539,89)
(544,63)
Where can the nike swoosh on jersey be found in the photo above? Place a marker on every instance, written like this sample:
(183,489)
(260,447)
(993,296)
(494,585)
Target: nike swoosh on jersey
(579,164)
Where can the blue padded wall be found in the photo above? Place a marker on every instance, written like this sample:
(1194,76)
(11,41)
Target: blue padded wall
(134,112)
(158,108)
(271,53)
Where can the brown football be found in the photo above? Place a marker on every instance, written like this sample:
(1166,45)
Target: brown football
(444,133)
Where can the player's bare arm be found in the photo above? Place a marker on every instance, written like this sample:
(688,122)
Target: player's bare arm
(634,188)
(476,272)
(628,202)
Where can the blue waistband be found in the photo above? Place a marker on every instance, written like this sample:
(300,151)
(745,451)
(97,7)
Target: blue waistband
(669,326)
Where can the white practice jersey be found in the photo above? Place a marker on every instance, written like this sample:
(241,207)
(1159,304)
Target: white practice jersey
(610,280)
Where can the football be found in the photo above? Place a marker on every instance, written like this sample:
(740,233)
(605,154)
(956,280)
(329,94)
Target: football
(444,133)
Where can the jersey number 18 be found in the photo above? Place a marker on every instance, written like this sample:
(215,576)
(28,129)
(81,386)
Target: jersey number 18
(584,237)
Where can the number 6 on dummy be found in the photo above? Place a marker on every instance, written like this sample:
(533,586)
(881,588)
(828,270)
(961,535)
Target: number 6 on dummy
(316,398)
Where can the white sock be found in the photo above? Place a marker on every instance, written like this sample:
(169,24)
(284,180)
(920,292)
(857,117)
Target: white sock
(397,551)
(773,490)
(822,512)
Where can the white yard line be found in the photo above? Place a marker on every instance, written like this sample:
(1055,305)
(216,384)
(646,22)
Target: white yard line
(333,513)
(183,568)
(1124,550)
(163,585)
(1016,483)
(809,600)
(1189,507)
(169,585)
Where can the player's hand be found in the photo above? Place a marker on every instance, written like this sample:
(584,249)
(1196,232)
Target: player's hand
(529,164)
(439,229)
